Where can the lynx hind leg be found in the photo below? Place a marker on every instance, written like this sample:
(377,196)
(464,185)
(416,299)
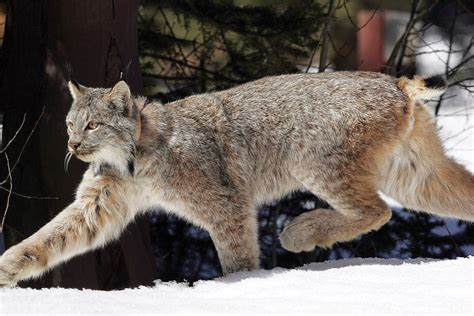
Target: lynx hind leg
(422,177)
(357,210)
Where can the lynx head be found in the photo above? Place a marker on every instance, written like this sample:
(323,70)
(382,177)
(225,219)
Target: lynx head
(102,125)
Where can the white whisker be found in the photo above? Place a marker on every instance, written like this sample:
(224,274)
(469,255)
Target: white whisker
(67,158)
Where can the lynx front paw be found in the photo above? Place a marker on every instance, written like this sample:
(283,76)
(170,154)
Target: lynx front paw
(10,270)
(16,264)
(303,234)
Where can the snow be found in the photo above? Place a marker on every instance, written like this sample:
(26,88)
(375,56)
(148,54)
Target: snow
(355,286)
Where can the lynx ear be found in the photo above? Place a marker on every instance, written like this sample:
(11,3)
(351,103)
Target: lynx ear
(120,94)
(76,89)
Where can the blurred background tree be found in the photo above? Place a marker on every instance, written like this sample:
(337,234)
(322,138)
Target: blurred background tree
(197,46)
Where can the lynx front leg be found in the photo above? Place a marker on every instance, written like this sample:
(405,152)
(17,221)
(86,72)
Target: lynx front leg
(97,216)
(236,241)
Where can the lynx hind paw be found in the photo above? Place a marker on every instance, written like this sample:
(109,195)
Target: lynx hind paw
(303,235)
(293,240)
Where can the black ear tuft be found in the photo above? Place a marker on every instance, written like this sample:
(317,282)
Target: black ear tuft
(131,167)
(125,70)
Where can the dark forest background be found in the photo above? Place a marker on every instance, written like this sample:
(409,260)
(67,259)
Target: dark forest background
(169,49)
(201,46)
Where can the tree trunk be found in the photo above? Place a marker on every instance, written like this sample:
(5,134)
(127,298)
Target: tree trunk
(47,43)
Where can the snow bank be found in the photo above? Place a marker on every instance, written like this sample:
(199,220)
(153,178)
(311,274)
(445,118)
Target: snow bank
(357,286)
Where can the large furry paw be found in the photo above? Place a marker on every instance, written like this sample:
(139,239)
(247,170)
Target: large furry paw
(15,264)
(10,270)
(303,234)
(239,264)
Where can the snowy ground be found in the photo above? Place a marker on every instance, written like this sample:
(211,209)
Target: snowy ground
(355,286)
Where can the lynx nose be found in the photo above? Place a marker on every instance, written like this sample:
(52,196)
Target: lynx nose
(74,145)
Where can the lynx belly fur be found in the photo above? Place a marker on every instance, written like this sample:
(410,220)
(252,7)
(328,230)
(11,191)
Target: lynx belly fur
(212,159)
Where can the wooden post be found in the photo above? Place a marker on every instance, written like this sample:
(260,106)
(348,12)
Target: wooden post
(370,40)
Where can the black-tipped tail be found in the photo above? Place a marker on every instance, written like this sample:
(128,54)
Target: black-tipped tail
(436,82)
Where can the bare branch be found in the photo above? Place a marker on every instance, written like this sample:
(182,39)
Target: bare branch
(366,22)
(400,47)
(14,136)
(324,46)
(10,169)
(29,197)
(9,193)
(27,139)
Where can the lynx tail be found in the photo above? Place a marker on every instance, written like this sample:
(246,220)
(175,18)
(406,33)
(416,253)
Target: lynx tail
(422,89)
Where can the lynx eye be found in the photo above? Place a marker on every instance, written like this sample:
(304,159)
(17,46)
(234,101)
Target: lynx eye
(70,125)
(92,125)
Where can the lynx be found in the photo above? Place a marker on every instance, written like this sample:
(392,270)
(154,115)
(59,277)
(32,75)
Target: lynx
(212,159)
